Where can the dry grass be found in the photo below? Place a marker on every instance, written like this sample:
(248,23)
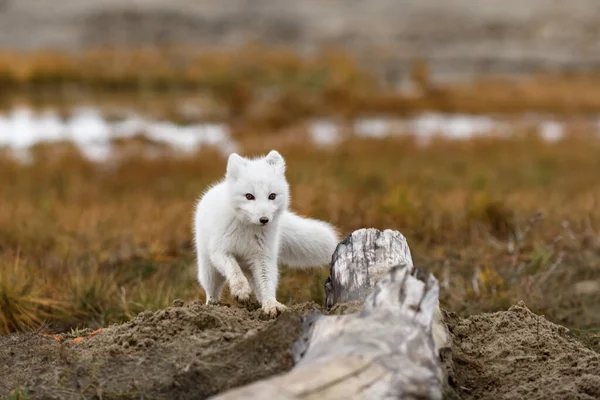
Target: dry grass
(250,84)
(268,88)
(84,245)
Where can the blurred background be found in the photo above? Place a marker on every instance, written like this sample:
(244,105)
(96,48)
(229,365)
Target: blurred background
(471,127)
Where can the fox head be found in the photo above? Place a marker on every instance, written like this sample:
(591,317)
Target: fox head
(258,189)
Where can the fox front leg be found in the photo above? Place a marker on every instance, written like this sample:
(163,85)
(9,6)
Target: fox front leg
(266,277)
(228,266)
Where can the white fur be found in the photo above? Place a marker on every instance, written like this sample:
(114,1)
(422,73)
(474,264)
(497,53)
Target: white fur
(233,246)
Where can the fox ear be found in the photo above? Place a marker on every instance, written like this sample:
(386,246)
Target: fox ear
(276,160)
(235,163)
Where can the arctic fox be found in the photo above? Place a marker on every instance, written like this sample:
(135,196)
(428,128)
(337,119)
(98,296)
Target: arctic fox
(243,229)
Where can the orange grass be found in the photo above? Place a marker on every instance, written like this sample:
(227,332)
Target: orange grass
(270,87)
(87,245)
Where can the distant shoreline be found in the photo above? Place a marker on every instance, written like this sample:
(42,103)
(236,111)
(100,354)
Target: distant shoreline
(457,38)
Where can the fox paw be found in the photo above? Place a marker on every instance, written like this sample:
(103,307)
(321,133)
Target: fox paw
(211,301)
(240,290)
(273,308)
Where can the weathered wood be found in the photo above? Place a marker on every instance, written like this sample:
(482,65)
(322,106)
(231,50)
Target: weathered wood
(384,351)
(361,259)
(388,349)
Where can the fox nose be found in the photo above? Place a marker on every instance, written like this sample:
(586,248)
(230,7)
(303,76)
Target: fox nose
(264,220)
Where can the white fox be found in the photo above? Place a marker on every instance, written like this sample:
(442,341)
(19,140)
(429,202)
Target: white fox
(243,229)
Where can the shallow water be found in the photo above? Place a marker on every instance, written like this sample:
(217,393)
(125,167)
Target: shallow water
(94,134)
(429,125)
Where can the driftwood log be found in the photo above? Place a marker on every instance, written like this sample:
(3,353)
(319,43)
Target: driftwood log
(361,259)
(386,350)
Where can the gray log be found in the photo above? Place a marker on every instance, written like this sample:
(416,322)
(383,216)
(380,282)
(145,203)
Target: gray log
(384,351)
(360,260)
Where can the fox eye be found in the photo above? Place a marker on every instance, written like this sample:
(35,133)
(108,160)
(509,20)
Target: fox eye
(249,196)
(272,196)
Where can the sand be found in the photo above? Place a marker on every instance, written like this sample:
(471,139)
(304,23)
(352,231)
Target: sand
(193,351)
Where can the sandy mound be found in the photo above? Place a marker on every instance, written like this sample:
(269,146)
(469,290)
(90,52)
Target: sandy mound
(186,352)
(517,354)
(193,351)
